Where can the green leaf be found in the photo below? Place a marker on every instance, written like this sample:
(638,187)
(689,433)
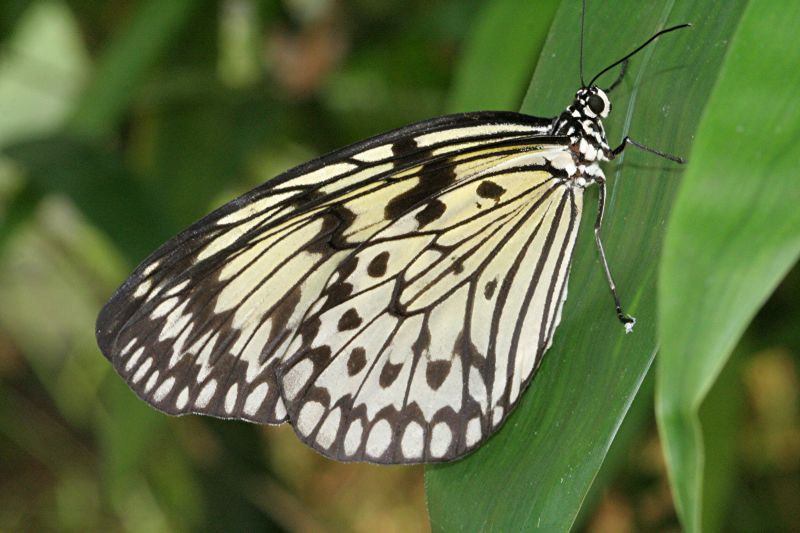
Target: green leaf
(20,210)
(97,180)
(43,68)
(125,63)
(509,25)
(736,224)
(720,417)
(537,471)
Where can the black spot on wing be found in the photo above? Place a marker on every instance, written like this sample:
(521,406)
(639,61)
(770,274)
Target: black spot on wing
(458,265)
(436,372)
(357,361)
(306,197)
(404,147)
(488,290)
(433,210)
(349,320)
(389,374)
(489,189)
(377,267)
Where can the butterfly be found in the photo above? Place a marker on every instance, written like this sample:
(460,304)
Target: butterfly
(390,300)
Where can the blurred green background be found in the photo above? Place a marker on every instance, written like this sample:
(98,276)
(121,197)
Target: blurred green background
(123,122)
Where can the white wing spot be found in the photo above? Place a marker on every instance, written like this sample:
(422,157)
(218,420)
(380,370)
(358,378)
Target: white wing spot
(413,441)
(177,288)
(183,398)
(151,381)
(322,174)
(164,308)
(255,399)
(280,410)
(327,433)
(296,378)
(150,268)
(375,154)
(497,415)
(379,438)
(134,358)
(230,397)
(204,357)
(252,352)
(477,388)
(163,389)
(441,436)
(128,346)
(206,393)
(142,370)
(353,438)
(473,431)
(154,292)
(309,416)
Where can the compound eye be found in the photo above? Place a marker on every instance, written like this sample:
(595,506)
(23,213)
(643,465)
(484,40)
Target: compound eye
(596,104)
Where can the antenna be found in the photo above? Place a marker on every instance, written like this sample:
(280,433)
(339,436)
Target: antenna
(583,16)
(637,50)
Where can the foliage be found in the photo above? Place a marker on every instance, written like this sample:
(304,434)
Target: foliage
(736,222)
(123,122)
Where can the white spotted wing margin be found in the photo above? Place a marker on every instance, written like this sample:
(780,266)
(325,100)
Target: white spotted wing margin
(204,323)
(424,338)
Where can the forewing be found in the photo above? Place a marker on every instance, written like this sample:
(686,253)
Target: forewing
(202,323)
(424,338)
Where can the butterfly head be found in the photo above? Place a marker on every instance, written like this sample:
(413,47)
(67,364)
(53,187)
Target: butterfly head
(582,122)
(593,102)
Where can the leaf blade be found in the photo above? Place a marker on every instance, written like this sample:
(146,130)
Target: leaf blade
(739,235)
(506,25)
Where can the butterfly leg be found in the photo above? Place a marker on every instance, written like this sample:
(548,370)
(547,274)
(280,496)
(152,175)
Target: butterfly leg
(621,75)
(627,140)
(627,320)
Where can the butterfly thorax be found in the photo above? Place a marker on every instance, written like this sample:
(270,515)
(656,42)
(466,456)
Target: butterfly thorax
(582,123)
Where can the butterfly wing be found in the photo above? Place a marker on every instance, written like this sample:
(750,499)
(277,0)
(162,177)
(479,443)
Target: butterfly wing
(424,337)
(202,324)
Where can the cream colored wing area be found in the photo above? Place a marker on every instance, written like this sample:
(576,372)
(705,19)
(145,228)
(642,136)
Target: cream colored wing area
(423,338)
(523,337)
(202,324)
(208,341)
